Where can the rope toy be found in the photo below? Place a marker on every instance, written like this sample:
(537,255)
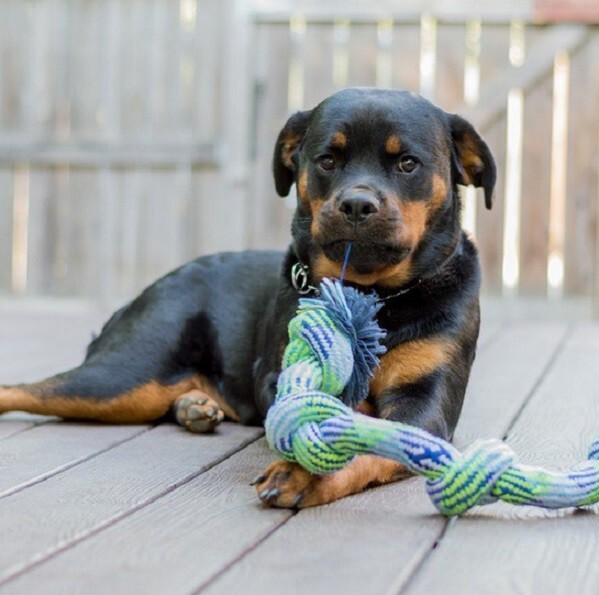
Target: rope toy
(334,344)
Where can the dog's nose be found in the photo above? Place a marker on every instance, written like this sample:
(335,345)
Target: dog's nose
(358,207)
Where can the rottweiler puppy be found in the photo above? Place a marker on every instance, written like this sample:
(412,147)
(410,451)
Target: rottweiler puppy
(377,168)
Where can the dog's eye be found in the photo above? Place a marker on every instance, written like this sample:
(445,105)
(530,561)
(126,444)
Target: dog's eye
(407,165)
(327,162)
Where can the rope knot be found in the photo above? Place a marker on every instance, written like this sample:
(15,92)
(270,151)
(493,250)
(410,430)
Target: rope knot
(313,429)
(470,478)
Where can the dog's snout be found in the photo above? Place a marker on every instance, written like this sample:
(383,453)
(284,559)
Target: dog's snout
(358,207)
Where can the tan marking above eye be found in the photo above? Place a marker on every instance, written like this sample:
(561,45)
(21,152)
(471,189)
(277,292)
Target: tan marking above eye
(409,362)
(392,144)
(339,140)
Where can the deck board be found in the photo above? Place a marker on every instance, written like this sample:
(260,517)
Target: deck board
(34,345)
(172,545)
(53,515)
(158,510)
(51,448)
(390,530)
(526,549)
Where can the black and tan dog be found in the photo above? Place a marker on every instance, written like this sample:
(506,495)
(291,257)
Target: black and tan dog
(376,168)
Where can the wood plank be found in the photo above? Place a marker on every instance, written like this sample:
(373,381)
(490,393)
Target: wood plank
(533,550)
(28,352)
(538,66)
(192,533)
(270,216)
(15,422)
(389,530)
(582,215)
(31,457)
(489,224)
(53,515)
(86,154)
(457,11)
(536,178)
(6,228)
(362,53)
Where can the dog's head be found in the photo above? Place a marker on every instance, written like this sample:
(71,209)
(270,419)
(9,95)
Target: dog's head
(379,168)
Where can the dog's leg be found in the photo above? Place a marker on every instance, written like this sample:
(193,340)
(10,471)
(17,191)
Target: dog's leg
(60,396)
(422,403)
(288,485)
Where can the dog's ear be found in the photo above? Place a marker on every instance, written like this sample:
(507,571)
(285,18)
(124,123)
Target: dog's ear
(284,162)
(472,162)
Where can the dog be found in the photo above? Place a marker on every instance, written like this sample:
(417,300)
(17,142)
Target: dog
(375,168)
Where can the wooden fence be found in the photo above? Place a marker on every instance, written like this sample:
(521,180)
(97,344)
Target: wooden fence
(136,134)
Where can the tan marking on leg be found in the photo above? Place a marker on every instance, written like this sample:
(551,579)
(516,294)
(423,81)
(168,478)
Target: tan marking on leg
(392,144)
(209,388)
(288,485)
(367,408)
(142,404)
(408,362)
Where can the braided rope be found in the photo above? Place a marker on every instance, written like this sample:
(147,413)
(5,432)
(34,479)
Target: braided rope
(334,346)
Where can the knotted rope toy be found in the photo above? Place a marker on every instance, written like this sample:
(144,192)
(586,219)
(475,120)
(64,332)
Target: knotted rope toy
(334,344)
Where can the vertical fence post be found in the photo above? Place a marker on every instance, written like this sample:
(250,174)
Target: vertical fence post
(595,295)
(235,119)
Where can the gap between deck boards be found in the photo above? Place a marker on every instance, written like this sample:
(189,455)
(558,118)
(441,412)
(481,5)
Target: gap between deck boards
(533,550)
(241,438)
(451,522)
(261,540)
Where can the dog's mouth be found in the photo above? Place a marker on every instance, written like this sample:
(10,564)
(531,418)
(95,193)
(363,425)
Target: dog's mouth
(365,256)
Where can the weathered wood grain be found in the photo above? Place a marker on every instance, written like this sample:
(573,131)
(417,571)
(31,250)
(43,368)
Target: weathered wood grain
(502,549)
(34,345)
(183,539)
(373,542)
(51,448)
(53,515)
(16,422)
(48,448)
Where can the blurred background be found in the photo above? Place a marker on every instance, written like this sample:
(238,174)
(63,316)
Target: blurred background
(137,134)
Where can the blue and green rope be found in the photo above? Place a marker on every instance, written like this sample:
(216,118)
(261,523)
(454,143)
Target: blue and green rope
(334,344)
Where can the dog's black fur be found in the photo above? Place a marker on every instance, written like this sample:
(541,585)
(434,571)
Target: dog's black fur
(377,168)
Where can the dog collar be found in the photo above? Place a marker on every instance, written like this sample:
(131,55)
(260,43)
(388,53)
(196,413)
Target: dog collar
(300,279)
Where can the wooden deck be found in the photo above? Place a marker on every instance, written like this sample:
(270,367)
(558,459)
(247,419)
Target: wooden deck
(153,509)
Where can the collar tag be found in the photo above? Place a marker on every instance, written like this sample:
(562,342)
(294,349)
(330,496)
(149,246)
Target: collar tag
(300,279)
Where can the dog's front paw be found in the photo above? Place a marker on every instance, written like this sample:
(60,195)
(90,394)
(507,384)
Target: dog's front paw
(198,413)
(287,485)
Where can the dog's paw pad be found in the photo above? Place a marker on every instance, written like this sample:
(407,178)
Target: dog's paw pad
(198,413)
